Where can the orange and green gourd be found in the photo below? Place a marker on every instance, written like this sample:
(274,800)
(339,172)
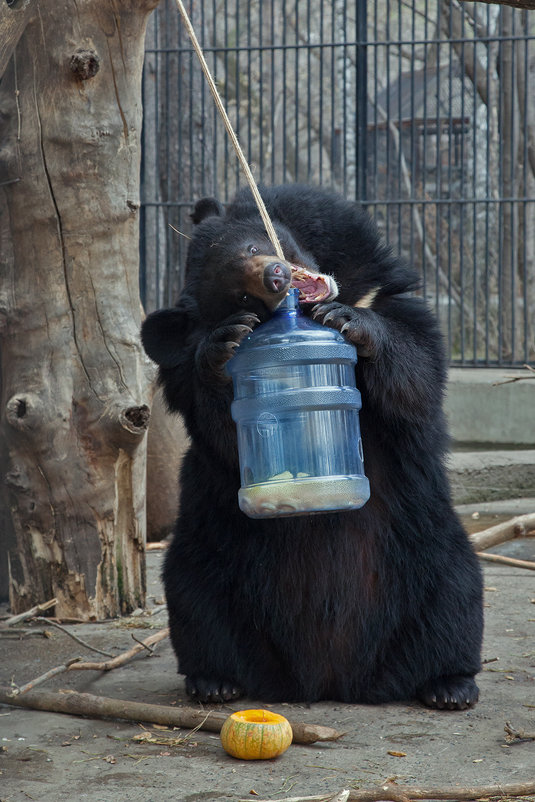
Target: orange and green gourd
(256,734)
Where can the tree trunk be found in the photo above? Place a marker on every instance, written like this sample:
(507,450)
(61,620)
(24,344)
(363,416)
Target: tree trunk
(75,383)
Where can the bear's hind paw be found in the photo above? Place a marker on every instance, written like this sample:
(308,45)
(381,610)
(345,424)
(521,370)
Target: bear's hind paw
(202,689)
(449,693)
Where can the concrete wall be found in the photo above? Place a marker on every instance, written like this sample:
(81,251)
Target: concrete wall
(493,431)
(481,413)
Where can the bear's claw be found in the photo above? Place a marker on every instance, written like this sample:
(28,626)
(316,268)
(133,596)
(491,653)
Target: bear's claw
(218,347)
(359,327)
(449,693)
(212,690)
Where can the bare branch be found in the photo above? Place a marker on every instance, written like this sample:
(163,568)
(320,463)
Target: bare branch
(86,704)
(501,558)
(500,533)
(406,793)
(39,608)
(515,3)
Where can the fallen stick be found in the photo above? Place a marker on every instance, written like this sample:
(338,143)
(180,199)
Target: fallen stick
(39,608)
(500,533)
(501,558)
(29,686)
(124,657)
(517,735)
(86,704)
(407,793)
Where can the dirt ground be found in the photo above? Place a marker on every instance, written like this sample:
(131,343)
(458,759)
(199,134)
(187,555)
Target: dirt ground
(58,758)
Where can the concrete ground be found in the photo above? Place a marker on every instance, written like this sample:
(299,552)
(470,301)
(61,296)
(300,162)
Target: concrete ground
(57,758)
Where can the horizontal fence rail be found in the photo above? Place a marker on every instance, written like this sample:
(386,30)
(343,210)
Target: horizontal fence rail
(423,111)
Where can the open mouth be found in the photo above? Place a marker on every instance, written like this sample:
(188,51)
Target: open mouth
(313,287)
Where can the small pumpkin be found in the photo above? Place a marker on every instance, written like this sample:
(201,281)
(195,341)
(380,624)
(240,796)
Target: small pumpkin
(256,734)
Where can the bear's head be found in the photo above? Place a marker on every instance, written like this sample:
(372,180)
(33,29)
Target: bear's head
(232,265)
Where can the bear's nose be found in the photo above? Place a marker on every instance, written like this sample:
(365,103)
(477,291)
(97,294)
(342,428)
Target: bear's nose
(277,276)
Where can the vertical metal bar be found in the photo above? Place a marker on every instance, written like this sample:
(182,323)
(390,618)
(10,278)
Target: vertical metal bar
(524,203)
(215,115)
(361,30)
(412,143)
(321,93)
(387,121)
(273,93)
(335,161)
(251,105)
(260,33)
(297,111)
(237,92)
(375,148)
(400,124)
(309,92)
(425,266)
(343,44)
(488,208)
(438,171)
(475,239)
(284,94)
(500,202)
(459,155)
(514,202)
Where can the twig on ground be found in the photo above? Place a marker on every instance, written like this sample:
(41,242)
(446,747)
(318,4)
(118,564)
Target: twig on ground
(39,608)
(408,793)
(517,735)
(124,657)
(142,643)
(8,633)
(503,560)
(86,704)
(73,636)
(519,526)
(510,379)
(18,691)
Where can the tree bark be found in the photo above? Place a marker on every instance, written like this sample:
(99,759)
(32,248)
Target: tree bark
(75,382)
(13,20)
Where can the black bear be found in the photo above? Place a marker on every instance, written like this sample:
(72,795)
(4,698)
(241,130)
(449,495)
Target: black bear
(371,605)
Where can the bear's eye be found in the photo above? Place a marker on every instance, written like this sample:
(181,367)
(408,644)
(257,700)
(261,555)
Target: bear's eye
(253,249)
(244,300)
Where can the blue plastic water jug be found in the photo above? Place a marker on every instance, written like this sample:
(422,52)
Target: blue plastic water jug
(296,409)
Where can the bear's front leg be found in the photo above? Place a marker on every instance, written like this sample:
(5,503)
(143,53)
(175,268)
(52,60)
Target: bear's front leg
(215,350)
(403,366)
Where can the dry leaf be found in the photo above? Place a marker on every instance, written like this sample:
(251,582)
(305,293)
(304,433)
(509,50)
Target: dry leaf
(396,754)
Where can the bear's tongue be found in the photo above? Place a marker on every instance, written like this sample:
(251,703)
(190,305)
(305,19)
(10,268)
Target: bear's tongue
(313,287)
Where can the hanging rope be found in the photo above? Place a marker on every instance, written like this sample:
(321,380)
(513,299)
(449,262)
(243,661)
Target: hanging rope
(228,125)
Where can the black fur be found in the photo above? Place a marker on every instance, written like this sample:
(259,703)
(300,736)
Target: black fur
(374,605)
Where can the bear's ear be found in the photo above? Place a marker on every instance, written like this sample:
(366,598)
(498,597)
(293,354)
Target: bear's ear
(163,332)
(206,207)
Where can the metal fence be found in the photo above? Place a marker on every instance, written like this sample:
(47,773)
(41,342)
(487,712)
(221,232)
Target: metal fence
(422,110)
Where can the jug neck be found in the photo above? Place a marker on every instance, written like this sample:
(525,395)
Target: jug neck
(289,306)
